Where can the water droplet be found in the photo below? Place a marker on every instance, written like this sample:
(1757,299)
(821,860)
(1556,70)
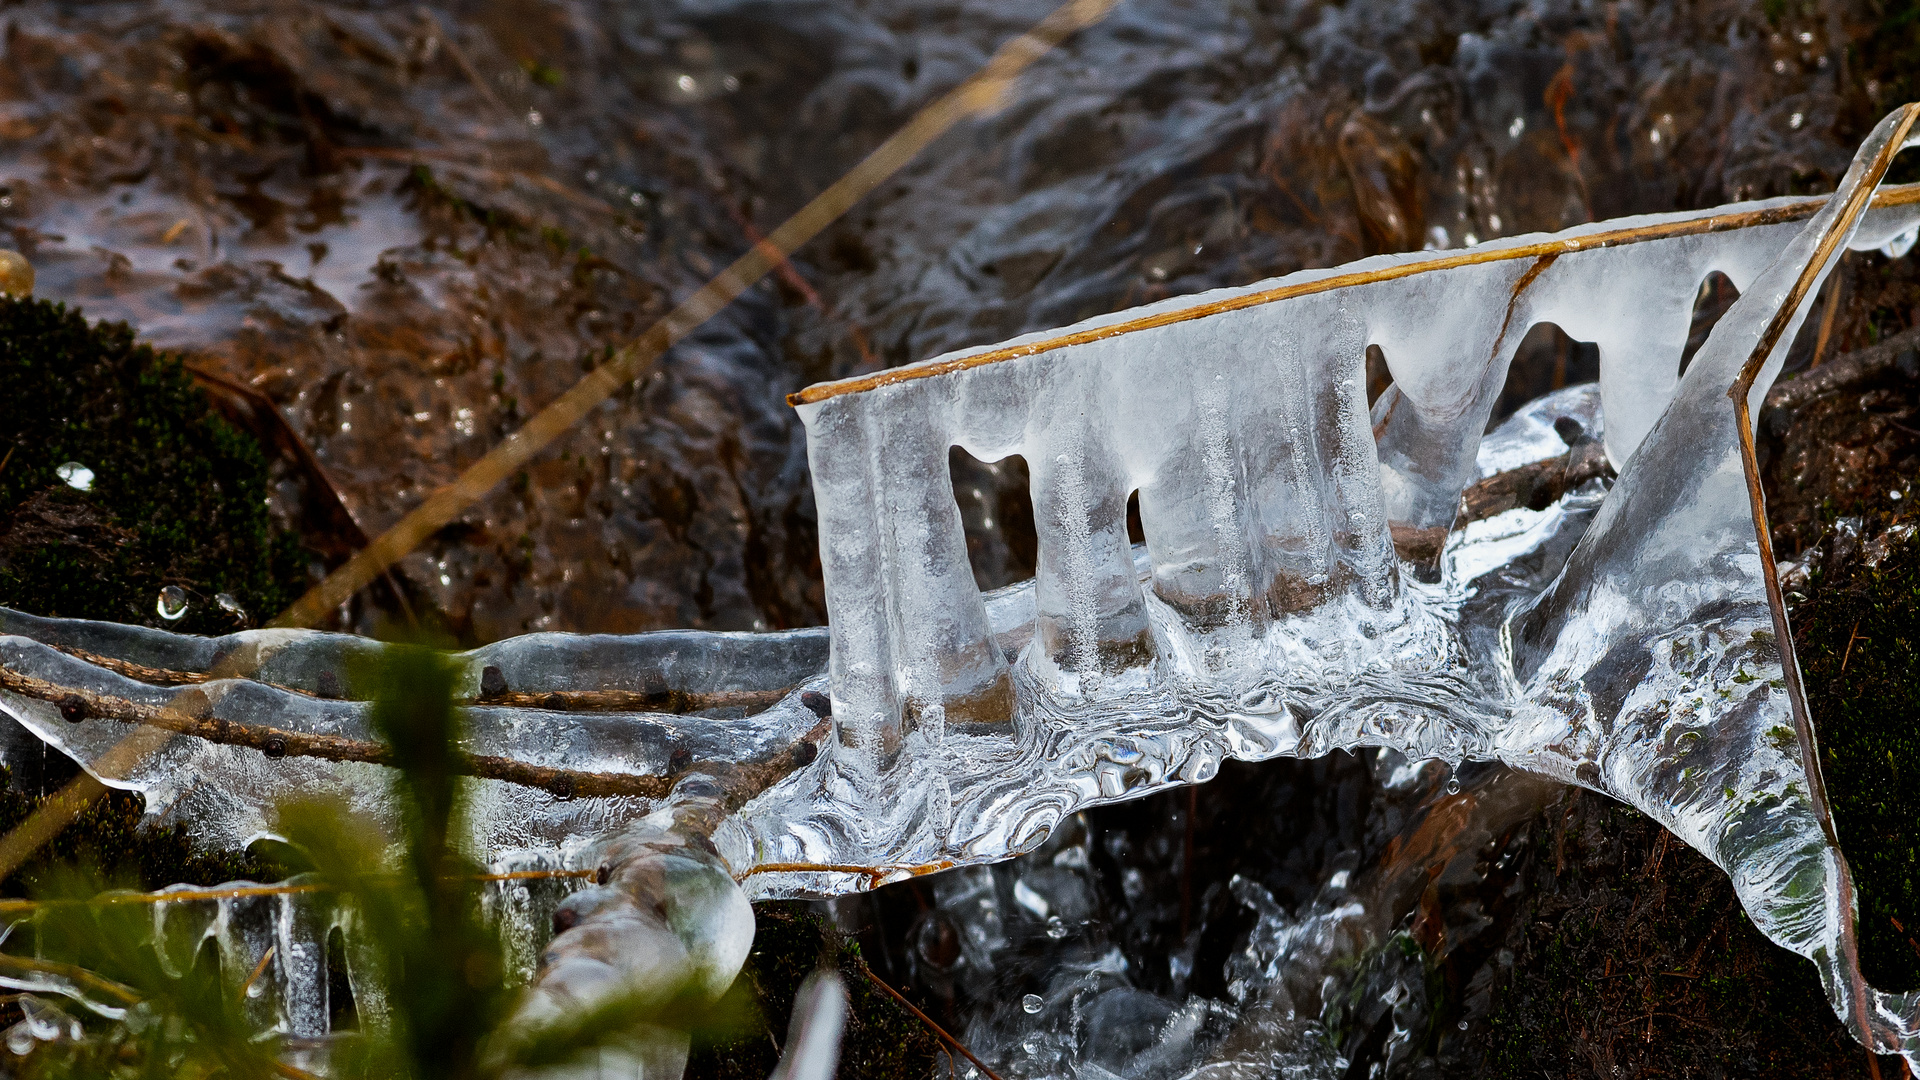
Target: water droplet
(1453,785)
(16,274)
(172,604)
(230,605)
(1055,928)
(1032,1003)
(75,475)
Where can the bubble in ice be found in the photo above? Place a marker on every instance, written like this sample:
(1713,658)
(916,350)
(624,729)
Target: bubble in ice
(1032,1003)
(19,1040)
(172,604)
(1056,927)
(16,274)
(75,475)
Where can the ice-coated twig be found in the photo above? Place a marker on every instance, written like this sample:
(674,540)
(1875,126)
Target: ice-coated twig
(663,699)
(187,714)
(1830,245)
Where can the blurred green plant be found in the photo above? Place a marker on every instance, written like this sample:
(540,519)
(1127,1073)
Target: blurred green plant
(142,1009)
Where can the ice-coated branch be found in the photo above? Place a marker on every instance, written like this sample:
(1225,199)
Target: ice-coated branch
(188,714)
(493,690)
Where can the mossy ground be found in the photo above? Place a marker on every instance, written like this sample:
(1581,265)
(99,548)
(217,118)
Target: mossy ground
(1628,955)
(179,496)
(882,1040)
(1858,637)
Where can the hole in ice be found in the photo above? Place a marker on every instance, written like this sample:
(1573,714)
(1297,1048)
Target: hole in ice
(1136,532)
(997,513)
(206,960)
(1378,377)
(342,1015)
(1715,296)
(1546,360)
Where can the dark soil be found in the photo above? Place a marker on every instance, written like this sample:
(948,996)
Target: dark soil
(1628,956)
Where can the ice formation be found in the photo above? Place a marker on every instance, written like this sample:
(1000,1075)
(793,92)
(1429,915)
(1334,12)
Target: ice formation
(1620,639)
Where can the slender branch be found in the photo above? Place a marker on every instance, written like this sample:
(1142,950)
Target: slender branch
(874,874)
(925,1019)
(74,973)
(259,969)
(663,701)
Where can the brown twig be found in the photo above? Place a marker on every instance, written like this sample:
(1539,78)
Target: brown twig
(189,715)
(73,973)
(1535,486)
(664,700)
(1845,210)
(459,57)
(248,408)
(874,874)
(925,1019)
(981,93)
(258,969)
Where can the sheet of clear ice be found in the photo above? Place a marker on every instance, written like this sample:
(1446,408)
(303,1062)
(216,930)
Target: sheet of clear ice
(1267,613)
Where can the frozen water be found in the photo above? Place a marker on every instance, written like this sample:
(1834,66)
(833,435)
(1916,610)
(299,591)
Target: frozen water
(1619,639)
(75,475)
(171,604)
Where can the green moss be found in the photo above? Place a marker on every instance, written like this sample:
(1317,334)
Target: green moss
(1858,637)
(882,1040)
(178,494)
